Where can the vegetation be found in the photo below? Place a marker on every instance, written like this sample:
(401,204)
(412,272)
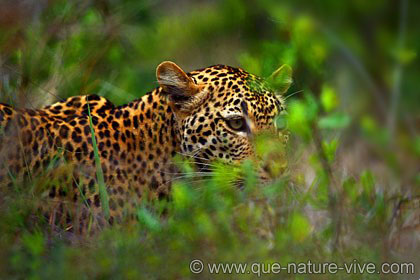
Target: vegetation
(351,187)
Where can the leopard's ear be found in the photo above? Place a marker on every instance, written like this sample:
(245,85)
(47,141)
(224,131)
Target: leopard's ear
(180,88)
(174,81)
(281,79)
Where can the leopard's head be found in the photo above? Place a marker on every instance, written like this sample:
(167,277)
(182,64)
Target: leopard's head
(219,109)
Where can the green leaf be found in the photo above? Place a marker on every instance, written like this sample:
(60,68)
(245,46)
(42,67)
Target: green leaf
(368,181)
(300,227)
(301,116)
(147,219)
(280,121)
(330,149)
(92,17)
(329,99)
(417,145)
(405,56)
(334,121)
(34,243)
(349,186)
(182,196)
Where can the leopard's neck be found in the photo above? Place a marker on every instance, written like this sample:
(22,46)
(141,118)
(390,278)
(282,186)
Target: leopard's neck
(150,143)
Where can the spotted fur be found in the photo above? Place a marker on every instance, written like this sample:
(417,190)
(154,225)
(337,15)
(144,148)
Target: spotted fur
(188,114)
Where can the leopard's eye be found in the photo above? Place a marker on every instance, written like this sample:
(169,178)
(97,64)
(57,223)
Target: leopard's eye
(238,124)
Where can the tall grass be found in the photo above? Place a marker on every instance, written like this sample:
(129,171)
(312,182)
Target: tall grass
(99,172)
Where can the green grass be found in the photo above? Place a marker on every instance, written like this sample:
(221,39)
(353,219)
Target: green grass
(99,172)
(214,221)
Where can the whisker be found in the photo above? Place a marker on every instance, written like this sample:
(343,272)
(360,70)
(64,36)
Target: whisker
(189,176)
(186,173)
(199,158)
(193,155)
(196,179)
(293,93)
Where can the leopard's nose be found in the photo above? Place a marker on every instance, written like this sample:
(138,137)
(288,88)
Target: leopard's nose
(271,170)
(264,176)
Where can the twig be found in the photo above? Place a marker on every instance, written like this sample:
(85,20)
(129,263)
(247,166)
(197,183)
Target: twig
(331,186)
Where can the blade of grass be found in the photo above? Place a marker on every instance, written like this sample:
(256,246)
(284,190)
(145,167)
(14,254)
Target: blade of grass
(103,195)
(398,70)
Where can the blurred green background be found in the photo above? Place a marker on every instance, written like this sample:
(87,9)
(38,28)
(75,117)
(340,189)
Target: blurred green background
(352,187)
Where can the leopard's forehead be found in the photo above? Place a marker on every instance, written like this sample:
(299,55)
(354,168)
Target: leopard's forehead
(235,88)
(232,78)
(219,73)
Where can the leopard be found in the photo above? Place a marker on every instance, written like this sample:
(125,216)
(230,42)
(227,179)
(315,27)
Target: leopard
(85,142)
